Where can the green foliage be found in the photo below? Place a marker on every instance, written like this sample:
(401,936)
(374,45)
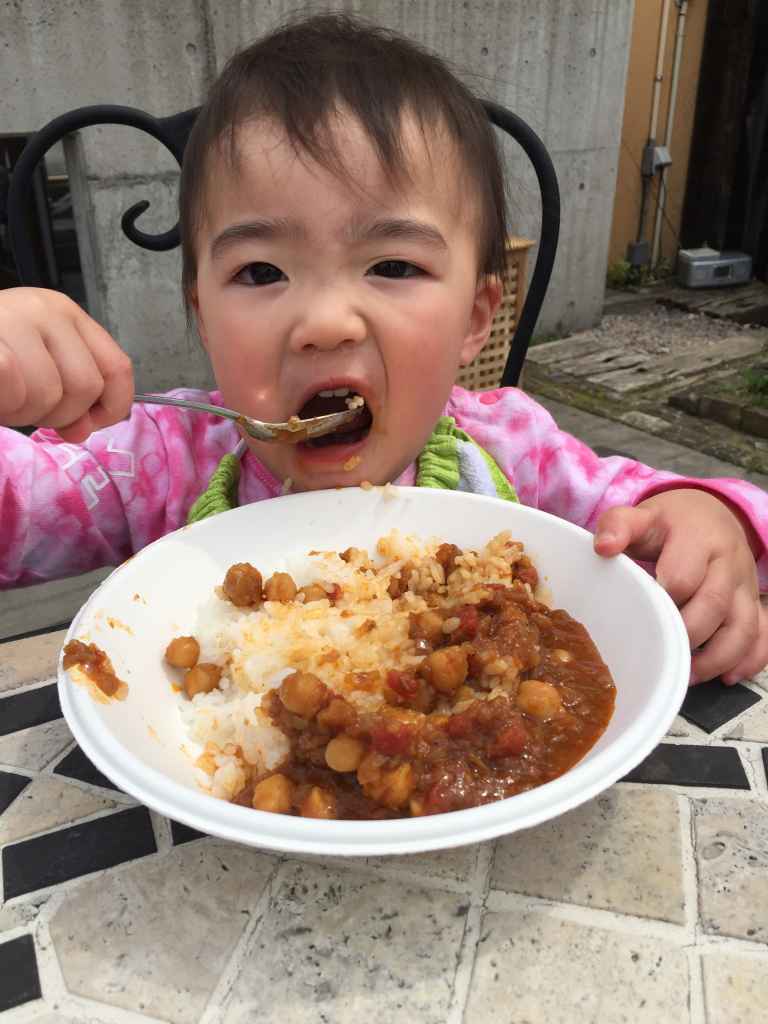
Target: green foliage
(619,274)
(542,339)
(756,378)
(623,275)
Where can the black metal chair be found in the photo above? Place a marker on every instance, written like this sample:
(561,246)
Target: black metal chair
(173,133)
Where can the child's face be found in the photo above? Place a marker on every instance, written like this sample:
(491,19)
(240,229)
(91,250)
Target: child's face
(307,283)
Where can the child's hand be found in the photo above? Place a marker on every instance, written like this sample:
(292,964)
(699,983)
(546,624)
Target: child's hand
(58,367)
(705,562)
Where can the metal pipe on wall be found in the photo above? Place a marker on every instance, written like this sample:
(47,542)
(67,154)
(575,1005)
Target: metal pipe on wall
(662,203)
(661,52)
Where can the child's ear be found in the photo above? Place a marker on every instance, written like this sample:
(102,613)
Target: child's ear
(194,302)
(487,299)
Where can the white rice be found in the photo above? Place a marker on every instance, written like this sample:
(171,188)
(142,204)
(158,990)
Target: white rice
(364,631)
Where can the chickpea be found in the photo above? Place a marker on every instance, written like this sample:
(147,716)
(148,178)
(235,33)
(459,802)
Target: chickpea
(426,625)
(203,678)
(318,803)
(275,793)
(416,806)
(369,771)
(446,669)
(392,788)
(182,652)
(400,783)
(242,585)
(539,699)
(280,587)
(344,753)
(407,715)
(313,592)
(303,694)
(337,715)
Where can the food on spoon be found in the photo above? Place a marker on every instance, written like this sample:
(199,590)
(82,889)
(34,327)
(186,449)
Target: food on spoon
(328,401)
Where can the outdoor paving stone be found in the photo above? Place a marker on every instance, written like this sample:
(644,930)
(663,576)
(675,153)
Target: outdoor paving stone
(29,660)
(531,966)
(731,838)
(711,704)
(682,728)
(56,857)
(10,787)
(619,852)
(184,833)
(605,452)
(762,679)
(31,707)
(45,803)
(753,726)
(454,865)
(162,931)
(691,765)
(343,947)
(18,915)
(33,749)
(77,766)
(735,988)
(57,1018)
(19,980)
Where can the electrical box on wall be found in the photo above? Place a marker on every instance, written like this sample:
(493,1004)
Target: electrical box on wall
(709,268)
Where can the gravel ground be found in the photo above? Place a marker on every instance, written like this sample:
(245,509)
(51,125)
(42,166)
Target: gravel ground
(662,330)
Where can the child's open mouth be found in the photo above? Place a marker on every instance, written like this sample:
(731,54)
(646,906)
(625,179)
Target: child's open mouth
(338,400)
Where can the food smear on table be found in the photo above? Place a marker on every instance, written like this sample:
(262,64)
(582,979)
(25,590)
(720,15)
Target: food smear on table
(93,668)
(418,680)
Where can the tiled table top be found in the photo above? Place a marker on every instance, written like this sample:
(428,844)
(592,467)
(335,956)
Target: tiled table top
(648,904)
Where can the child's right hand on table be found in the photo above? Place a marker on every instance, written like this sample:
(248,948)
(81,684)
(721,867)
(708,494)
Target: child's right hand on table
(58,367)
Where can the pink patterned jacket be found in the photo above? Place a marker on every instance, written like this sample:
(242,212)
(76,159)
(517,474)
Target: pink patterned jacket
(66,509)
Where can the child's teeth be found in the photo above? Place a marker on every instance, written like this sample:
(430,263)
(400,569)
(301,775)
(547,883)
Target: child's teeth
(341,392)
(326,394)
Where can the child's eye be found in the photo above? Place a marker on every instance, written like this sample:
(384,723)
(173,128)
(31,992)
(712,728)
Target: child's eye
(396,269)
(260,274)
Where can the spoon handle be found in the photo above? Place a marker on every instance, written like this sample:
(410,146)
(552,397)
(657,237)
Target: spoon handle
(185,403)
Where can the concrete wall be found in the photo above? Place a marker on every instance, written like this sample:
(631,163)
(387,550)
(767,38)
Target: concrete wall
(560,64)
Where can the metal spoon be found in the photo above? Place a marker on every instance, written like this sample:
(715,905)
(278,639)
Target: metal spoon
(292,432)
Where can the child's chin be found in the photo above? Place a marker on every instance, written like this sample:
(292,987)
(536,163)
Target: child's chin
(327,481)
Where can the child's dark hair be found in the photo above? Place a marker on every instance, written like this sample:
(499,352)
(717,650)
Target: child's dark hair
(304,72)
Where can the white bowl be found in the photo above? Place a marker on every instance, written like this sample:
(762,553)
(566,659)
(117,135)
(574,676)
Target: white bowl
(139,742)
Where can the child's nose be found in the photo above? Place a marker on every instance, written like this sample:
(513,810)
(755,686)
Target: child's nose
(326,322)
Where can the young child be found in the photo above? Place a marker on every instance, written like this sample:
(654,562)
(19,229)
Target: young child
(342,213)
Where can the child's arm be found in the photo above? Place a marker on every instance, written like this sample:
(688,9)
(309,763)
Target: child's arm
(708,537)
(704,550)
(58,367)
(66,508)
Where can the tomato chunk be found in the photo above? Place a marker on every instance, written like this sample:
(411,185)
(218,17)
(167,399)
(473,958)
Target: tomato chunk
(392,738)
(509,741)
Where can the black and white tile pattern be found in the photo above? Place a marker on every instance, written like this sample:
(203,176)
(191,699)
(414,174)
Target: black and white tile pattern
(112,886)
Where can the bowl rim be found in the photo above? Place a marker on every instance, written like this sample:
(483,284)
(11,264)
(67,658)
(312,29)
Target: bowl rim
(338,837)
